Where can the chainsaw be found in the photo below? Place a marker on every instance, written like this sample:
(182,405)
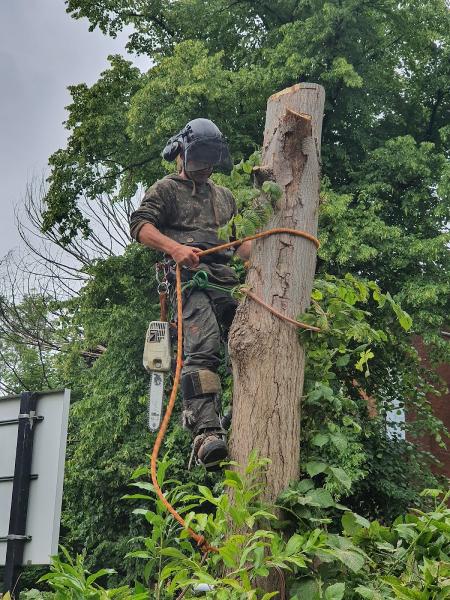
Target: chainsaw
(157,361)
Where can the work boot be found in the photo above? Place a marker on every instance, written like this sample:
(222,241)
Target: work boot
(210,449)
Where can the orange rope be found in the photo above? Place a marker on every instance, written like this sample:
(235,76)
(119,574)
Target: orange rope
(200,539)
(278,314)
(263,234)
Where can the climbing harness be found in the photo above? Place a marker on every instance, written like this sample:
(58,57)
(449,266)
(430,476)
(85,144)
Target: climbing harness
(201,541)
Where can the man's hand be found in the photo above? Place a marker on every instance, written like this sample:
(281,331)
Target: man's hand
(186,256)
(244,250)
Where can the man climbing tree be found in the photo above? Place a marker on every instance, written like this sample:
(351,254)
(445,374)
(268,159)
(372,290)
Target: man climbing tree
(180,216)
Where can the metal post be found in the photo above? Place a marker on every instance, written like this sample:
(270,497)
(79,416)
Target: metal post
(21,488)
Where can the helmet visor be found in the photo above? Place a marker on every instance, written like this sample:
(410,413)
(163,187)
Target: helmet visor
(207,152)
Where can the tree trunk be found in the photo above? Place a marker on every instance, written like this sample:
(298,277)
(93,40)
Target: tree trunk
(268,360)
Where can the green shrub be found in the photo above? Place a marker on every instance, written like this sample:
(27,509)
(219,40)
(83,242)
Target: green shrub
(321,557)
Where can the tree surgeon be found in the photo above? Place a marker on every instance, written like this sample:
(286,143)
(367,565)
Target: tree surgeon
(180,215)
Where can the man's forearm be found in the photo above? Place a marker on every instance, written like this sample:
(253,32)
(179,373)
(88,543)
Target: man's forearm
(151,237)
(184,256)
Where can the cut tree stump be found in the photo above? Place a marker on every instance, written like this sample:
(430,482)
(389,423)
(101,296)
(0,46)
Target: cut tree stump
(268,359)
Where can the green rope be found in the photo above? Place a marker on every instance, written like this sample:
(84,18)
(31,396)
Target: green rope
(201,281)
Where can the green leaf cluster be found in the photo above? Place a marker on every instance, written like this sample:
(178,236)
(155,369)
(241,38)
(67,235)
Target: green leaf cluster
(318,558)
(360,367)
(256,205)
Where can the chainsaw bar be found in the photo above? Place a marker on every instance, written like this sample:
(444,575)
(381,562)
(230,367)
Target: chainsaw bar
(155,400)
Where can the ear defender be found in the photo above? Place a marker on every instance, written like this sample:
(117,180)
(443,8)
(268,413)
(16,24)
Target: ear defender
(172,149)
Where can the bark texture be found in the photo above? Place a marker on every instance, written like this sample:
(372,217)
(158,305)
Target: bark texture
(268,360)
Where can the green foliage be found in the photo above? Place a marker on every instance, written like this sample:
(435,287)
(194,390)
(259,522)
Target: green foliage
(390,225)
(107,433)
(383,77)
(255,205)
(363,352)
(413,555)
(70,580)
(320,558)
(165,530)
(248,552)
(118,145)
(343,452)
(99,154)
(28,340)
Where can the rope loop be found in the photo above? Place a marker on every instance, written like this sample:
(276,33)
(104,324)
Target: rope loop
(199,280)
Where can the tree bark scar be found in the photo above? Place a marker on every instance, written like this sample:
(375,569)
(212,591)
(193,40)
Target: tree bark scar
(308,146)
(298,127)
(283,280)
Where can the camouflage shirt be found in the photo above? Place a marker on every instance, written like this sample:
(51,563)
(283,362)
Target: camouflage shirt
(190,218)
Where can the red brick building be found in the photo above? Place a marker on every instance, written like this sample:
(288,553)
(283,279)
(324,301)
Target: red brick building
(441,408)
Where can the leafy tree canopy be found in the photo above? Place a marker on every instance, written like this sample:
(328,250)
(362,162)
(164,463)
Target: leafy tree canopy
(384,77)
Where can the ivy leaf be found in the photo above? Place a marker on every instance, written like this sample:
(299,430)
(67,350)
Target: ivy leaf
(306,588)
(352,523)
(314,468)
(304,486)
(335,591)
(342,361)
(340,441)
(320,439)
(321,497)
(341,476)
(353,560)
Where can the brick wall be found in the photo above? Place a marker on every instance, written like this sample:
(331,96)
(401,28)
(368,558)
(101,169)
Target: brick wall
(441,408)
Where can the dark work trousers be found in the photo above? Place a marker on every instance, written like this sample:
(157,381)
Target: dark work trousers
(207,317)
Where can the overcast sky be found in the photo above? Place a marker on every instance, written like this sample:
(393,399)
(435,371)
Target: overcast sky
(42,51)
